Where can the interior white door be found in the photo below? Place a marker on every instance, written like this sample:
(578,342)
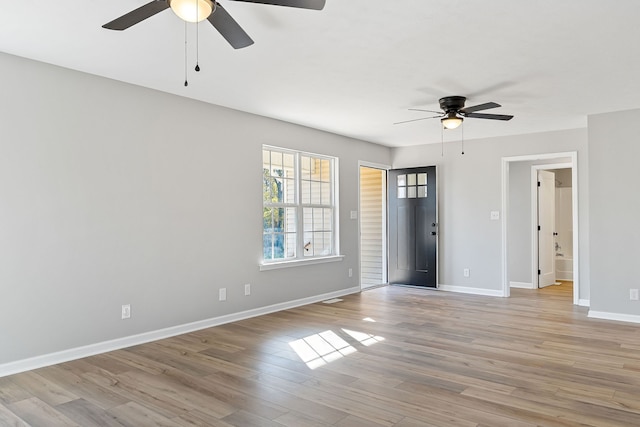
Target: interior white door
(546,228)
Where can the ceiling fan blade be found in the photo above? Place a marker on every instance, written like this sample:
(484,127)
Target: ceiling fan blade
(427,111)
(229,28)
(415,120)
(485,106)
(489,116)
(302,4)
(140,14)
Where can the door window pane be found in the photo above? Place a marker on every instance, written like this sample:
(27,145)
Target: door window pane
(422,179)
(411,179)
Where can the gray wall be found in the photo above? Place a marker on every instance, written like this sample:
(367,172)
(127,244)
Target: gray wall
(469,189)
(614,151)
(113,194)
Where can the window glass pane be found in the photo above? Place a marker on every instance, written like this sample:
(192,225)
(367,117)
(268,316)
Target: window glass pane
(267,183)
(411,179)
(278,246)
(276,160)
(266,159)
(267,221)
(325,197)
(290,242)
(308,244)
(402,180)
(305,165)
(316,169)
(288,161)
(290,224)
(411,192)
(402,192)
(328,219)
(289,190)
(267,247)
(325,170)
(326,244)
(422,179)
(277,195)
(422,191)
(318,221)
(307,216)
(278,219)
(306,192)
(315,193)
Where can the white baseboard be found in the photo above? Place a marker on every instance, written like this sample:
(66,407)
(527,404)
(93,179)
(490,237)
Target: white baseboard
(584,302)
(522,285)
(119,343)
(475,291)
(633,318)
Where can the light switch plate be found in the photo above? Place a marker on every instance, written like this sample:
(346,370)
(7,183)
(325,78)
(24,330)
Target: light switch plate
(354,214)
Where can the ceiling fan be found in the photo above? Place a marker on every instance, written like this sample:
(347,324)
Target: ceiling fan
(453,112)
(199,10)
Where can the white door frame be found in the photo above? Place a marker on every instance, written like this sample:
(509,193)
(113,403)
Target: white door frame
(506,290)
(534,212)
(385,235)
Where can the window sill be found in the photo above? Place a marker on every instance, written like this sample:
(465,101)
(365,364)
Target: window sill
(300,262)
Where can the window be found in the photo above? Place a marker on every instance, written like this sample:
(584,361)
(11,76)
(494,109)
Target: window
(299,207)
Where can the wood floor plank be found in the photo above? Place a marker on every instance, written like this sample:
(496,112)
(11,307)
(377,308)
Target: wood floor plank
(390,356)
(86,414)
(39,414)
(10,419)
(42,388)
(133,414)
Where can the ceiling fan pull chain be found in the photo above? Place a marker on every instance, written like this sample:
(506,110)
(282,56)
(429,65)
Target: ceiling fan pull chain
(186,83)
(462,130)
(197,40)
(442,141)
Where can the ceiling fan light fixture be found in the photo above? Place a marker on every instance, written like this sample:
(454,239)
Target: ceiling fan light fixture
(191,10)
(451,121)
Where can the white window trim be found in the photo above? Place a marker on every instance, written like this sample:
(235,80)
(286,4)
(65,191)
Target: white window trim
(297,262)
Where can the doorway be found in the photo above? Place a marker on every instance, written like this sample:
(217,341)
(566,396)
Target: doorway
(373,226)
(512,251)
(553,250)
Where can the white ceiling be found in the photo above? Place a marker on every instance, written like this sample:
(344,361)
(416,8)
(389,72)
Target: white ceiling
(357,66)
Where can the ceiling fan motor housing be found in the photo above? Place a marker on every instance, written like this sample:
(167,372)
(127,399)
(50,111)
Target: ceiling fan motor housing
(452,103)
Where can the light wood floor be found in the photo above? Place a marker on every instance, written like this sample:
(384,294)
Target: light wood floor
(421,358)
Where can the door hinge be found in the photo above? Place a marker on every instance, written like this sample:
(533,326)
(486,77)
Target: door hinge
(538,183)
(538,228)
(539,272)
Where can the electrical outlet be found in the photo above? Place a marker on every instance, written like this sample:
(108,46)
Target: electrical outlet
(247,289)
(466,272)
(495,215)
(633,294)
(351,272)
(222,294)
(126,311)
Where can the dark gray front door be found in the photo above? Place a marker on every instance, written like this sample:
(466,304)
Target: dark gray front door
(413,226)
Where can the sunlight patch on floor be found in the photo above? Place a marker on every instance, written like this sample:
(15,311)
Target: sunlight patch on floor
(319,349)
(363,338)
